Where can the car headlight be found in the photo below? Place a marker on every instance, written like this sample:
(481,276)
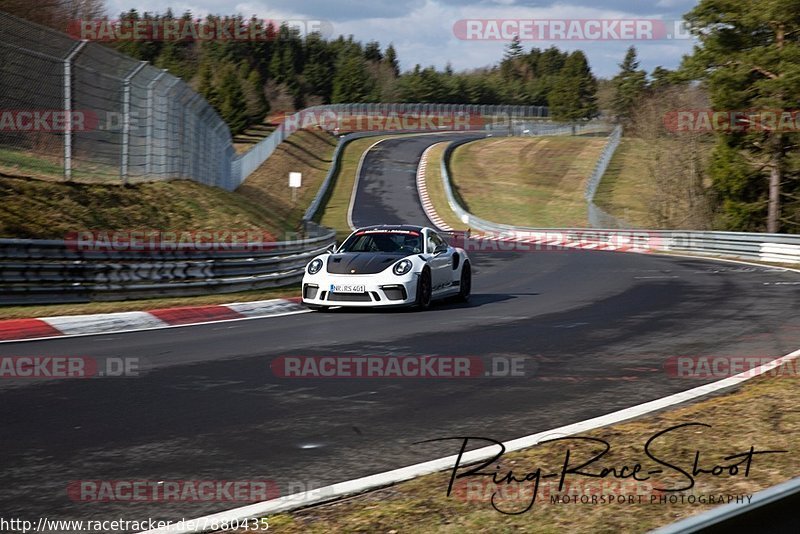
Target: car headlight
(401,267)
(314,266)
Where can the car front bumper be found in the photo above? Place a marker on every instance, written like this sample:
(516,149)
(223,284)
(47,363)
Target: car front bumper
(378,291)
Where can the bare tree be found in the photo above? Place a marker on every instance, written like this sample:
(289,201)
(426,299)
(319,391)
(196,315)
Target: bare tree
(678,189)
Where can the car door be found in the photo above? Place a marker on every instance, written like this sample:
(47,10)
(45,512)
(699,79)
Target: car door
(440,262)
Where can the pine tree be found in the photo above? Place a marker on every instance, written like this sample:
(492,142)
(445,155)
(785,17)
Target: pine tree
(629,85)
(233,107)
(573,96)
(749,56)
(514,50)
(351,83)
(207,87)
(372,52)
(391,59)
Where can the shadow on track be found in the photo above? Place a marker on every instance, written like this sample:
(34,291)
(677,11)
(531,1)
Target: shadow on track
(476,300)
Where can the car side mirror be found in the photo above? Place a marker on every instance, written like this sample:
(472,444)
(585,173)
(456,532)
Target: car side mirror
(439,250)
(331,249)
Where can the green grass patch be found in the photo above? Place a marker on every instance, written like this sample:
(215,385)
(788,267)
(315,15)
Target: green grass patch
(526,181)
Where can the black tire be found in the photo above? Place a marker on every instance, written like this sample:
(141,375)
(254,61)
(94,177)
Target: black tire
(465,287)
(424,291)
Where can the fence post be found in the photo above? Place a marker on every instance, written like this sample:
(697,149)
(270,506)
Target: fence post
(150,118)
(126,119)
(68,109)
(167,130)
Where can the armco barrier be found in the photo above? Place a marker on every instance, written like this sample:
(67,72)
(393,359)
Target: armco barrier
(775,248)
(771,510)
(50,271)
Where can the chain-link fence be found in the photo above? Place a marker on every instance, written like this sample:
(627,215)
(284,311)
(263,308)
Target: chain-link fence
(89,113)
(86,112)
(598,217)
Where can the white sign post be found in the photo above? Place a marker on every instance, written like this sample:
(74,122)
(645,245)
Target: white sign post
(295,181)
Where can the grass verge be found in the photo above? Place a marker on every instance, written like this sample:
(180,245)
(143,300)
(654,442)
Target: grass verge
(36,209)
(524,181)
(309,152)
(41,209)
(51,310)
(623,189)
(766,417)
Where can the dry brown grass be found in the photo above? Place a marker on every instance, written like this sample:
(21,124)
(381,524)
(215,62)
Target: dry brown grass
(524,181)
(762,413)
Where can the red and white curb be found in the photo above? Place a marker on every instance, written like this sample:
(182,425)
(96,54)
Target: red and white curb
(422,191)
(107,323)
(541,239)
(585,240)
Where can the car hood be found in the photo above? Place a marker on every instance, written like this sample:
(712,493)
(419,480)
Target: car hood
(361,262)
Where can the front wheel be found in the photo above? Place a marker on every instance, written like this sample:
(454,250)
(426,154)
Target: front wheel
(465,286)
(424,291)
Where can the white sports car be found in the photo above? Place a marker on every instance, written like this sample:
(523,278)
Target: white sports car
(388,265)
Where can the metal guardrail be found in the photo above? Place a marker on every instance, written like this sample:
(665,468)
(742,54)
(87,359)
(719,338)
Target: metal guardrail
(776,248)
(771,510)
(50,271)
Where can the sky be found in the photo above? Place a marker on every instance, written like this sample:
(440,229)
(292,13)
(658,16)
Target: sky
(425,31)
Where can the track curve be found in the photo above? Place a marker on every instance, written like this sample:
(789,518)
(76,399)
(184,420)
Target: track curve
(386,190)
(595,329)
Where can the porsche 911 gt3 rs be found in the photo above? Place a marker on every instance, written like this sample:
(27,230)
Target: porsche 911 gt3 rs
(388,265)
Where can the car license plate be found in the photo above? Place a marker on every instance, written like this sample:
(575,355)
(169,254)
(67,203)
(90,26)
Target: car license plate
(347,288)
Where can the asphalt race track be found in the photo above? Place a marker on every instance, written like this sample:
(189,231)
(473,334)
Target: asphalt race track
(595,330)
(387,191)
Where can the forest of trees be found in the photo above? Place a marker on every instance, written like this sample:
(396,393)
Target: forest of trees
(747,57)
(244,79)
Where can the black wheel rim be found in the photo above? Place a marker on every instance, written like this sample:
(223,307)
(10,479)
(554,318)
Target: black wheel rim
(426,290)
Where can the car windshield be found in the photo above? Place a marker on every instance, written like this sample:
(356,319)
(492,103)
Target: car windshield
(388,242)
